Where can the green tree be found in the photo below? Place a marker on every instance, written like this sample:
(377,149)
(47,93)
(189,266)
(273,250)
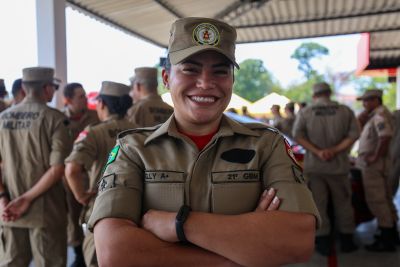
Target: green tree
(305,53)
(301,92)
(253,81)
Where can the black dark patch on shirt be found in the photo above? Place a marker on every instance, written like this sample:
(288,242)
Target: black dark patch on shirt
(238,155)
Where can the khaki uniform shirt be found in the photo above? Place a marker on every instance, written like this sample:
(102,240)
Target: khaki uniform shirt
(286,126)
(78,124)
(326,123)
(149,111)
(92,148)
(34,137)
(395,144)
(3,105)
(159,168)
(379,125)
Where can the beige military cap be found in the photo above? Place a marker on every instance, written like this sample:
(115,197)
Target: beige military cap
(39,74)
(321,88)
(114,89)
(370,94)
(189,36)
(144,73)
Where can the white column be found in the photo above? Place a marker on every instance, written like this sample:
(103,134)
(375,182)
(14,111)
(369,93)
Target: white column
(51,36)
(398,88)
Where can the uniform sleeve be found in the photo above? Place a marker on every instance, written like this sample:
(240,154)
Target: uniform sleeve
(85,150)
(299,126)
(354,129)
(282,172)
(121,187)
(61,142)
(382,126)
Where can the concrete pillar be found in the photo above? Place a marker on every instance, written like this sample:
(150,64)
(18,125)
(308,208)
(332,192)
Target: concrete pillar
(51,38)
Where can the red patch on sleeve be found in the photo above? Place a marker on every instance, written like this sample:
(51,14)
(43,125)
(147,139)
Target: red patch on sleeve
(82,135)
(290,153)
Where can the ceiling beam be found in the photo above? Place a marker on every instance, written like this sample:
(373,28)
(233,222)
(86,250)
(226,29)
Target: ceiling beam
(170,8)
(395,29)
(110,22)
(239,8)
(343,16)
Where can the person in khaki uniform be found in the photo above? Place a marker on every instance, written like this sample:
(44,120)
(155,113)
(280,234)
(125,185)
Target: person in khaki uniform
(148,109)
(395,155)
(17,91)
(327,130)
(79,116)
(34,141)
(374,162)
(90,152)
(3,93)
(286,125)
(193,191)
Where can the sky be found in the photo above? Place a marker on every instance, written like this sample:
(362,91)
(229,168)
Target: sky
(98,52)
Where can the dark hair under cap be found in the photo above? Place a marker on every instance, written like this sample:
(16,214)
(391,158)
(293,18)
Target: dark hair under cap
(117,104)
(69,89)
(16,87)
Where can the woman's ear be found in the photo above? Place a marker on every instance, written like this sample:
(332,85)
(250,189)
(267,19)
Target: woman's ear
(165,78)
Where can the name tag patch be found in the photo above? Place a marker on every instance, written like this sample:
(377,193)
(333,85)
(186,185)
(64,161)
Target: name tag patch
(242,176)
(164,177)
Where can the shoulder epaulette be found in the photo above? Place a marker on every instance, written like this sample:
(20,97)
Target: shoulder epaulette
(253,126)
(138,130)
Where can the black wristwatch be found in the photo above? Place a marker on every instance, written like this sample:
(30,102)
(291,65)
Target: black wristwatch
(180,219)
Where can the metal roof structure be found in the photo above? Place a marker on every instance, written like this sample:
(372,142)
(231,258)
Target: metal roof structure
(261,20)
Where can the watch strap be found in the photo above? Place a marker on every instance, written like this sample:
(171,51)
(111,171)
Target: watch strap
(180,219)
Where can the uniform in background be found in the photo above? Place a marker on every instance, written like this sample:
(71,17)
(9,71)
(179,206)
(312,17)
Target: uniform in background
(395,155)
(34,138)
(91,150)
(3,93)
(79,116)
(374,142)
(148,109)
(319,127)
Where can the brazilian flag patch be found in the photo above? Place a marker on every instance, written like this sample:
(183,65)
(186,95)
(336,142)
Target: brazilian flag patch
(113,154)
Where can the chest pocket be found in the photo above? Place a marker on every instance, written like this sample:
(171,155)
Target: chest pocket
(163,190)
(235,192)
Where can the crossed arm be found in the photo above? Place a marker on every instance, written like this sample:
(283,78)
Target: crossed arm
(265,237)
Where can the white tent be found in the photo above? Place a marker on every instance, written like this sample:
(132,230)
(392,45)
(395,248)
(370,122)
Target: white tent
(236,102)
(264,104)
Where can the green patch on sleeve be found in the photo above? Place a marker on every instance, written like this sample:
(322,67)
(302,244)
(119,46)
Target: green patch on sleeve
(113,154)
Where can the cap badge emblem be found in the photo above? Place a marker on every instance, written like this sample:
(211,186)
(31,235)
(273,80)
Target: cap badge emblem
(206,34)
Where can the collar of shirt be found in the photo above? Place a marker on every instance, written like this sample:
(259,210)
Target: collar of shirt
(228,127)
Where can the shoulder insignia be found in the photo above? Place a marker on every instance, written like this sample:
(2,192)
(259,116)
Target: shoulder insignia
(290,153)
(113,155)
(82,135)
